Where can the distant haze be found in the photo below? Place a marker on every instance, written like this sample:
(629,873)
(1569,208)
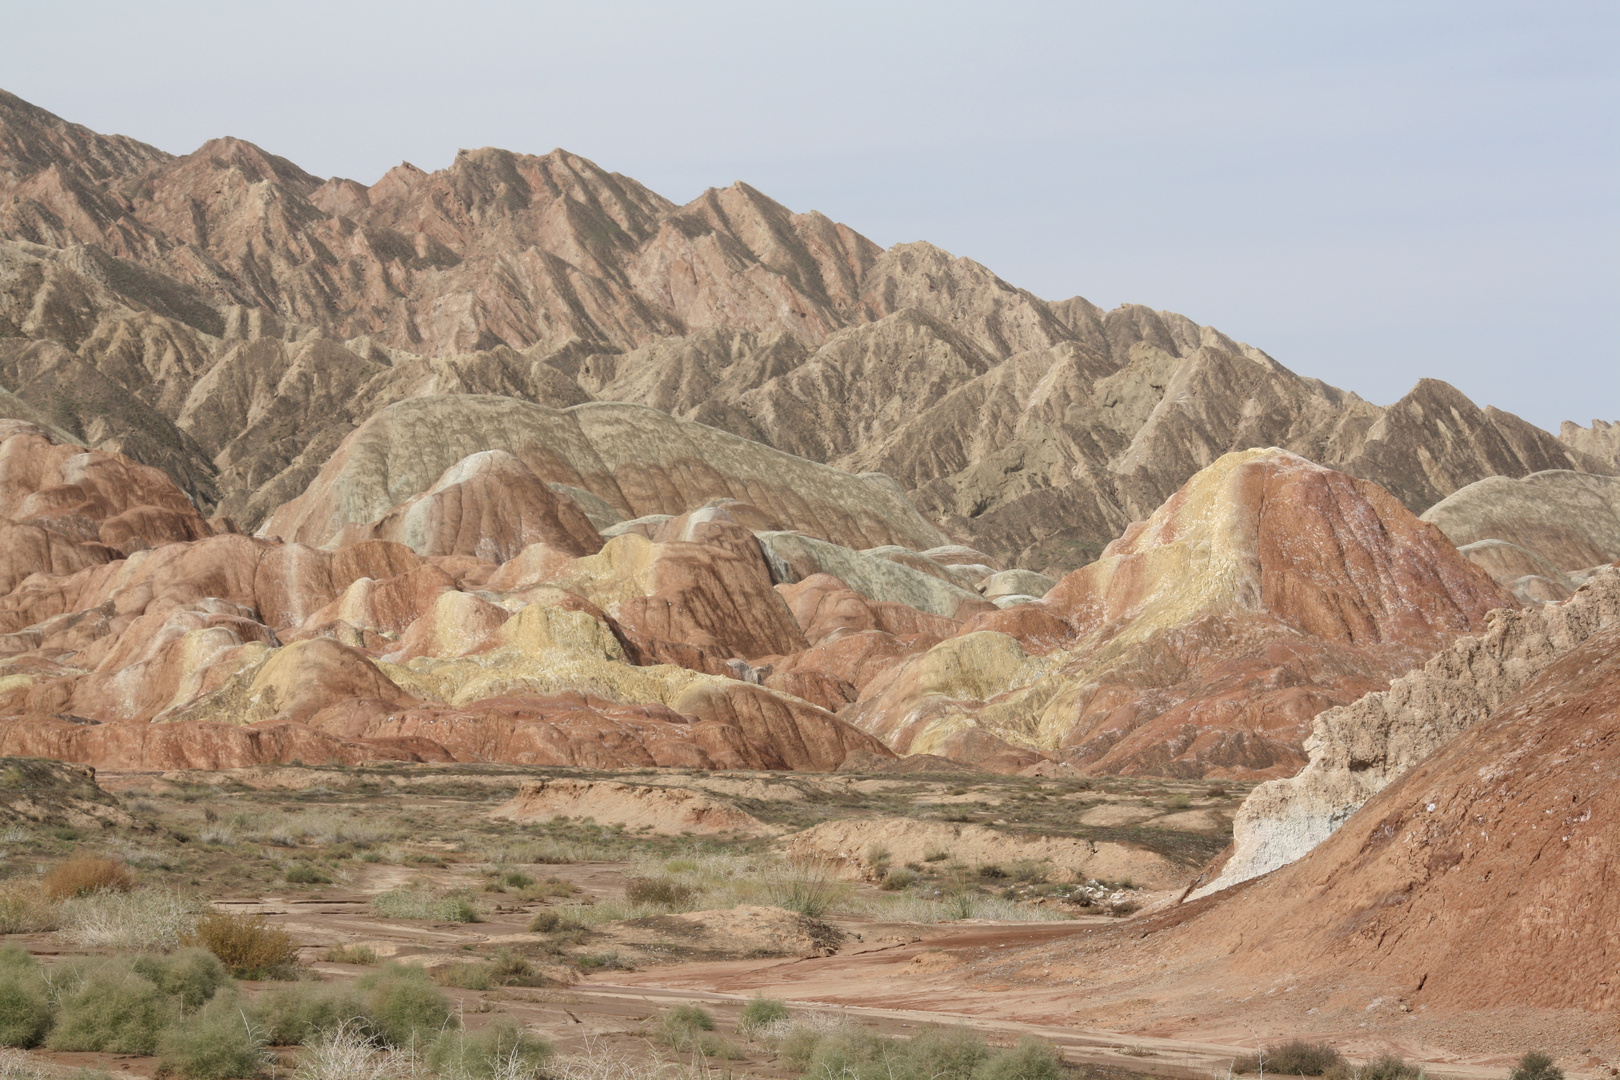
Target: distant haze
(1370,192)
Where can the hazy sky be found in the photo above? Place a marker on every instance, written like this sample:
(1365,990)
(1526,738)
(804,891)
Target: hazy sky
(1369,191)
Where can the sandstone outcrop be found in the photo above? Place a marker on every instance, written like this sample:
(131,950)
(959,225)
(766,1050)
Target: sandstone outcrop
(1206,638)
(1540,536)
(1359,749)
(1476,880)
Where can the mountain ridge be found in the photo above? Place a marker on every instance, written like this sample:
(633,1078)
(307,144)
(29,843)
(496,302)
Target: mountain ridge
(229,282)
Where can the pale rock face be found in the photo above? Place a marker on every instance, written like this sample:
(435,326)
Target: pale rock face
(1357,750)
(640,461)
(1539,536)
(794,556)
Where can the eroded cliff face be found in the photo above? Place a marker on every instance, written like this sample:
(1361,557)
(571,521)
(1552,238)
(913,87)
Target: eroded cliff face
(230,318)
(1359,749)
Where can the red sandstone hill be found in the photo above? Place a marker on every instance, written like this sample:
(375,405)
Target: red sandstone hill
(1204,640)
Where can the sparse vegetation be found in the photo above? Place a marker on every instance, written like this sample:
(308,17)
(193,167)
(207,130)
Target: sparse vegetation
(500,1051)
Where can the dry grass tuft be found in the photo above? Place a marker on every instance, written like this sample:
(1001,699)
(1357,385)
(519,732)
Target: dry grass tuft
(146,919)
(84,875)
(24,908)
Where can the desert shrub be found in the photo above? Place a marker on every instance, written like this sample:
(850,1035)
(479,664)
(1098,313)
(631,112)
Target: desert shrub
(345,1052)
(499,1051)
(1536,1065)
(990,872)
(545,921)
(247,944)
(1030,1059)
(1293,1058)
(363,955)
(898,879)
(25,1008)
(935,855)
(690,1030)
(298,1012)
(878,855)
(192,976)
(1390,1067)
(658,892)
(24,908)
(219,1043)
(464,976)
(304,873)
(404,1005)
(109,1008)
(146,919)
(808,886)
(759,1012)
(83,875)
(1178,801)
(608,961)
(421,902)
(510,969)
(935,1053)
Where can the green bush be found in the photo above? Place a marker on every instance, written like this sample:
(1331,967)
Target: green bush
(220,1042)
(500,1051)
(25,1008)
(190,976)
(404,1005)
(302,1011)
(1031,1059)
(306,874)
(690,1029)
(109,1008)
(759,1012)
(1536,1065)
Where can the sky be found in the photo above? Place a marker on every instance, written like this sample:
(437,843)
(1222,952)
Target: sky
(1372,192)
